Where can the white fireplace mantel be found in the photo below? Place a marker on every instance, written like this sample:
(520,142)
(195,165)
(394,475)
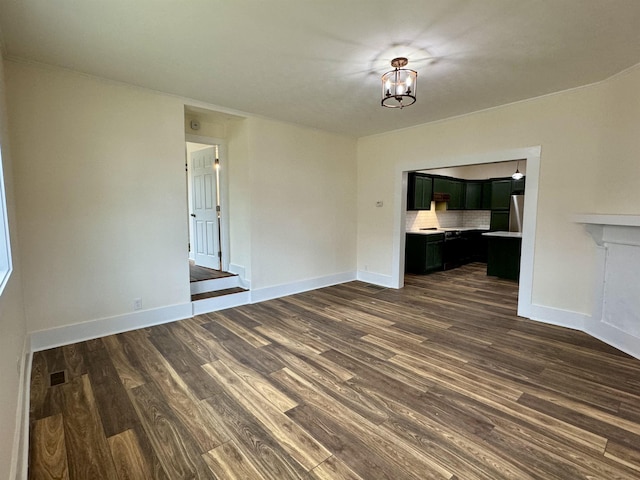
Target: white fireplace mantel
(616,311)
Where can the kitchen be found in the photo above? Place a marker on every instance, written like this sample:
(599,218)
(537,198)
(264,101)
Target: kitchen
(466,214)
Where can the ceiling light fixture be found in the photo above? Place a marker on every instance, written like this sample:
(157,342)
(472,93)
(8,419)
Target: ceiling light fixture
(517,175)
(399,85)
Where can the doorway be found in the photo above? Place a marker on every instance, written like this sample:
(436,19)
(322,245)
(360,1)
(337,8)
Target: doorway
(526,308)
(206,206)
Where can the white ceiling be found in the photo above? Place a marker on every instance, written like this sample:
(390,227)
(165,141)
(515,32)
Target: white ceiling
(318,62)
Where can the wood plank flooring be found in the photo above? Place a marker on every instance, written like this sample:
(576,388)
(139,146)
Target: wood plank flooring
(198,273)
(439,380)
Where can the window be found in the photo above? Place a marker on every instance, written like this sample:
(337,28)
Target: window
(5,248)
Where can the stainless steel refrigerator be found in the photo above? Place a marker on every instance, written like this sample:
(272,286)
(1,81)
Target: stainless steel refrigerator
(516,213)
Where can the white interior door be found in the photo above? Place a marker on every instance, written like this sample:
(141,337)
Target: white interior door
(204,216)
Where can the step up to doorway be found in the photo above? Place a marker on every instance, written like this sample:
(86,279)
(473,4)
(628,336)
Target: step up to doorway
(219,300)
(216,293)
(214,284)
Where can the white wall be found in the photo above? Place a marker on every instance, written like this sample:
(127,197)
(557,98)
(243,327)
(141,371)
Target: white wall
(588,163)
(12,321)
(303,201)
(303,217)
(239,182)
(100,193)
(482,171)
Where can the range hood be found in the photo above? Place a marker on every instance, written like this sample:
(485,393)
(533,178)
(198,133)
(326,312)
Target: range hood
(441,197)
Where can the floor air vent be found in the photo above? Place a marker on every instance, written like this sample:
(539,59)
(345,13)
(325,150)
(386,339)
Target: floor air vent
(57,378)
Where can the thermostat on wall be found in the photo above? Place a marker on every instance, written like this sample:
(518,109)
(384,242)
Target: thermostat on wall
(195,125)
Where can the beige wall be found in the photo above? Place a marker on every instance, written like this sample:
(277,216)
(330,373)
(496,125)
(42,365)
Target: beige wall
(588,163)
(239,181)
(12,321)
(482,171)
(101,196)
(302,203)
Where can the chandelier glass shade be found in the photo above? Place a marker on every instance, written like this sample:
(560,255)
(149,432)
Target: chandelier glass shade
(399,85)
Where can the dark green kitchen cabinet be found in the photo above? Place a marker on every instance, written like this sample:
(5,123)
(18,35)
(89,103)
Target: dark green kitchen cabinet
(452,187)
(423,253)
(517,186)
(500,194)
(473,195)
(503,257)
(419,191)
(486,195)
(499,220)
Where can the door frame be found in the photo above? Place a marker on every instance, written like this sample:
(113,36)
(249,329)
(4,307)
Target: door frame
(224,196)
(526,308)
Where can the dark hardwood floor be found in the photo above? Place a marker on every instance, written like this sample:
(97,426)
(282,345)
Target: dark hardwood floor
(438,380)
(198,273)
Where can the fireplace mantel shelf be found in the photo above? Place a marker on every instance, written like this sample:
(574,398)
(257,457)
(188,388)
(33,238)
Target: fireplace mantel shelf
(616,220)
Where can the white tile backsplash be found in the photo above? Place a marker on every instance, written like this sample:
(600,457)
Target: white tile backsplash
(416,220)
(476,218)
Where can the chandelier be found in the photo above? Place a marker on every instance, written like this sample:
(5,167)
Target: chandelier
(399,85)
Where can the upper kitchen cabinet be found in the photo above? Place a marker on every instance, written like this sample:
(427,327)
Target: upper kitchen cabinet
(486,195)
(473,195)
(517,186)
(452,187)
(419,191)
(500,194)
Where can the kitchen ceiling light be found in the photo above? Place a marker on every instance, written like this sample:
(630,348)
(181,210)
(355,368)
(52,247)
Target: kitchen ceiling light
(517,175)
(399,85)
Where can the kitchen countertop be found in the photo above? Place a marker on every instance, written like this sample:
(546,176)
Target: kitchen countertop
(448,229)
(503,234)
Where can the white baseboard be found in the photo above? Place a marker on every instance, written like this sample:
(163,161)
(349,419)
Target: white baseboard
(278,291)
(554,316)
(214,304)
(376,278)
(614,337)
(240,271)
(214,284)
(79,332)
(20,450)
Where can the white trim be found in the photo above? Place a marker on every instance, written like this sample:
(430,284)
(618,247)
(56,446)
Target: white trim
(204,286)
(532,156)
(222,302)
(6,262)
(278,291)
(603,219)
(20,450)
(557,316)
(80,332)
(613,336)
(375,278)
(240,271)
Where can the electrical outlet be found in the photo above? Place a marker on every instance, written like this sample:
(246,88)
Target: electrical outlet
(137,303)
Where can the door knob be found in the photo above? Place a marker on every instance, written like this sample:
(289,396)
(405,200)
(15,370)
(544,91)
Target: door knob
(193,215)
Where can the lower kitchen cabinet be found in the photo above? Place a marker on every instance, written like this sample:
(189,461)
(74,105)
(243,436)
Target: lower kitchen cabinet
(503,257)
(423,253)
(500,220)
(476,246)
